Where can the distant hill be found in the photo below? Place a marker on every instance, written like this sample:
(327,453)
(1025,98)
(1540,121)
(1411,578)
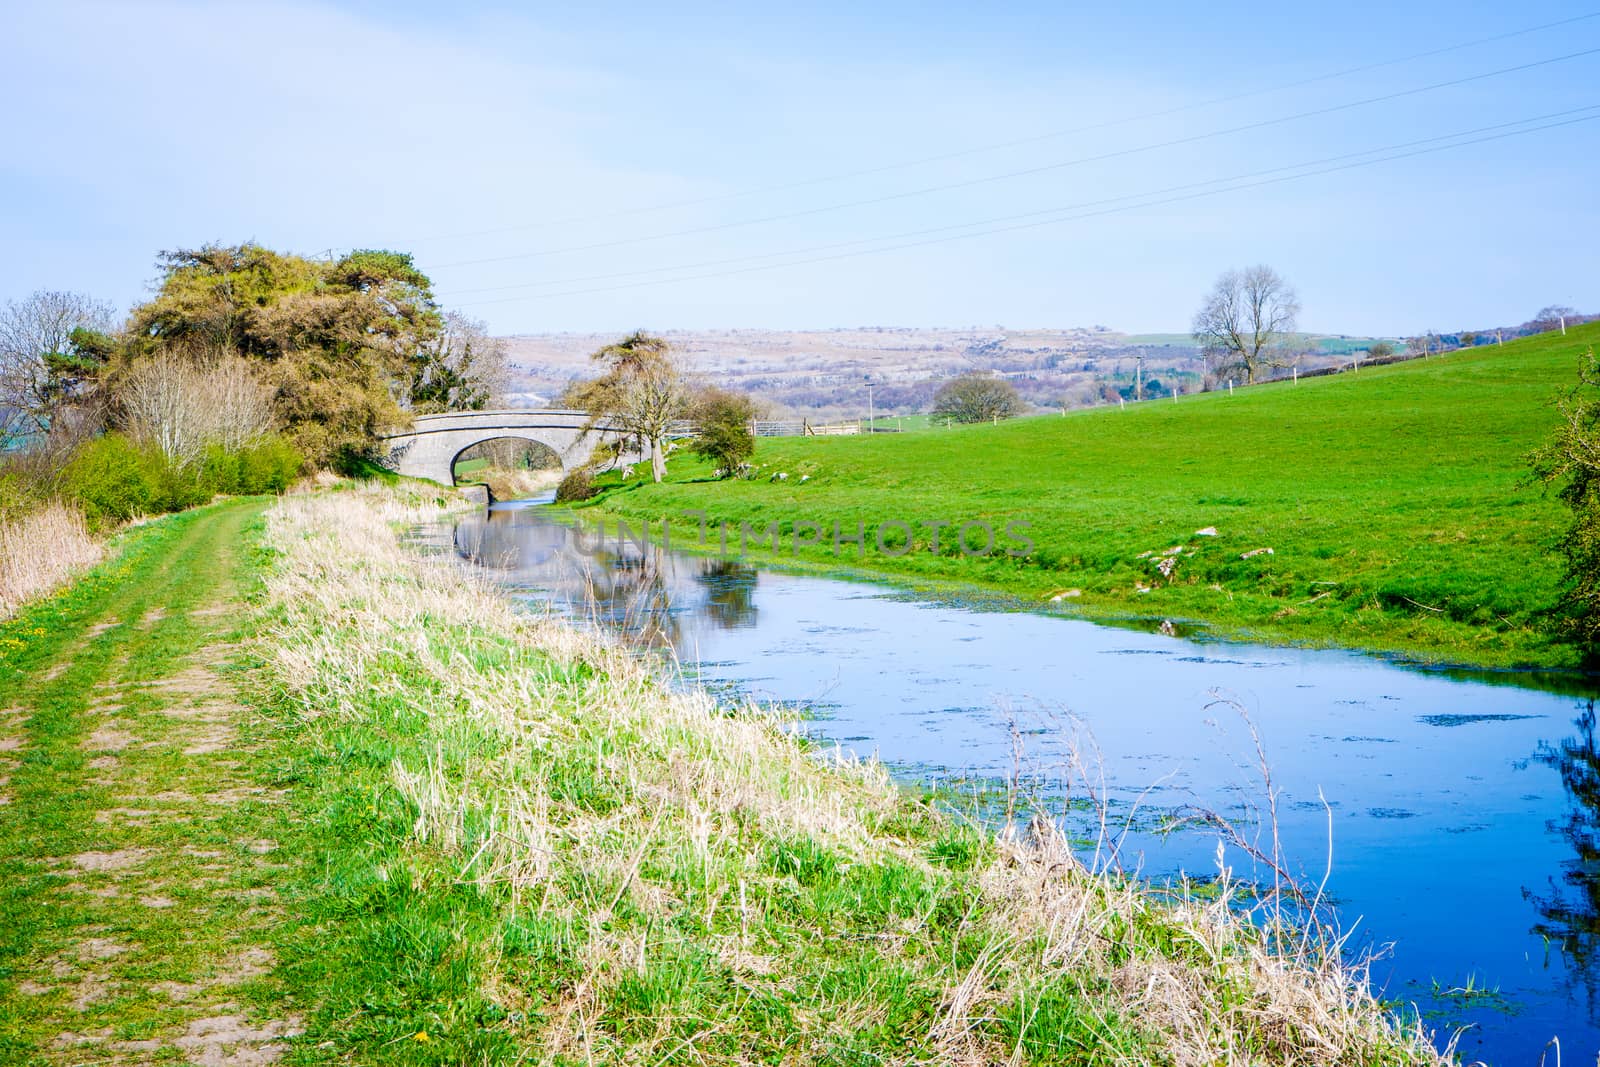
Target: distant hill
(825,372)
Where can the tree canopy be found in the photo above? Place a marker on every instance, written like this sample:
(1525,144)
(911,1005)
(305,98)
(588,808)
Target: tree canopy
(642,388)
(722,424)
(977,397)
(1553,317)
(53,346)
(1245,322)
(1570,460)
(351,347)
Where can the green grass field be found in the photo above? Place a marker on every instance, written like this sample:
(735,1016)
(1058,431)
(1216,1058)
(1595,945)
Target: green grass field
(1393,499)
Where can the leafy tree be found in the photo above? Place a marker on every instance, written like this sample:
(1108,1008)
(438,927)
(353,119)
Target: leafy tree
(1571,458)
(338,340)
(1380,350)
(1245,322)
(642,389)
(213,299)
(722,419)
(977,397)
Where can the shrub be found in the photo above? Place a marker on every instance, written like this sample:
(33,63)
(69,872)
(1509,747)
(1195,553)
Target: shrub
(270,465)
(723,419)
(579,485)
(112,479)
(1571,460)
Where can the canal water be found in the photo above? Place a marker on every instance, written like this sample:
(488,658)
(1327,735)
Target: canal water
(1464,807)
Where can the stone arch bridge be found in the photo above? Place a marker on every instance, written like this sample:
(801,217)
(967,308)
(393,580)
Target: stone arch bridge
(429,449)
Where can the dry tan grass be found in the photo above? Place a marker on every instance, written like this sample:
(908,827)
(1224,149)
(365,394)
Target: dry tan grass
(704,789)
(42,550)
(516,483)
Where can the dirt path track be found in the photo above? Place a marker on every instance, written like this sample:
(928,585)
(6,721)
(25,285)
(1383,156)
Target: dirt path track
(136,830)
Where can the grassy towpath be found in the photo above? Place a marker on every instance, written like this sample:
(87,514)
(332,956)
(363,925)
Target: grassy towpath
(137,832)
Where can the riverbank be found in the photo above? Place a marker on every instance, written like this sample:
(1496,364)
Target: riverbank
(1386,510)
(506,483)
(480,836)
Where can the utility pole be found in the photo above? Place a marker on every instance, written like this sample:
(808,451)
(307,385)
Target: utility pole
(1138,378)
(869,405)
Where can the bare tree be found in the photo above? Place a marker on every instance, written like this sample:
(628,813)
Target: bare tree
(643,389)
(460,369)
(35,335)
(1246,322)
(184,408)
(1554,317)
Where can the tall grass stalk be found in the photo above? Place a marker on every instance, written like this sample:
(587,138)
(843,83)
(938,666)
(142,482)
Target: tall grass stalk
(670,880)
(40,550)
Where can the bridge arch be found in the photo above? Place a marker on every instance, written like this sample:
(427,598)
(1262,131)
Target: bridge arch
(430,447)
(505,452)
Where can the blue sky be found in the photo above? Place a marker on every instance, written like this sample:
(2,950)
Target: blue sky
(588,154)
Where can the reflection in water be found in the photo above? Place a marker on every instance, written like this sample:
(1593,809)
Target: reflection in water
(651,597)
(1570,911)
(730,592)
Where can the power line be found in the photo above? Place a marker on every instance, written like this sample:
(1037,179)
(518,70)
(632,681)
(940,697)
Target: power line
(1050,221)
(1026,214)
(1007,175)
(1000,145)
